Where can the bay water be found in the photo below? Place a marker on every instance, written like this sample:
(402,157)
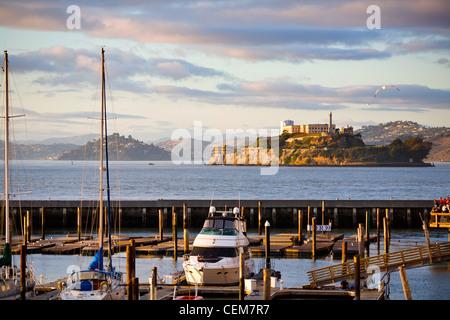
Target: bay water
(143,180)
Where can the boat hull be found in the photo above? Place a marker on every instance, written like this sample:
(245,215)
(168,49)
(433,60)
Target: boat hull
(213,274)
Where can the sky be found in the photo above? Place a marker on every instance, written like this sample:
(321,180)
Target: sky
(244,64)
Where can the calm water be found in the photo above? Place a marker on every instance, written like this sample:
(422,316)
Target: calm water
(138,180)
(426,283)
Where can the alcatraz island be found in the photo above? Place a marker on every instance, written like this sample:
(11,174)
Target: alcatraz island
(326,145)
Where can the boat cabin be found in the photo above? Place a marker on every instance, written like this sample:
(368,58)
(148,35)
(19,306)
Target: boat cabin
(227,223)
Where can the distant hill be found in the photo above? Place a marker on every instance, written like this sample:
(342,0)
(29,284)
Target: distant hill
(385,133)
(120,148)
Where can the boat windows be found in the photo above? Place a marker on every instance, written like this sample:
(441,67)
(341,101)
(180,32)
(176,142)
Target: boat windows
(207,252)
(225,227)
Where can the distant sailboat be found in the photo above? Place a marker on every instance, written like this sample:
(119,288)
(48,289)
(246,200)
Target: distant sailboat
(98,283)
(9,276)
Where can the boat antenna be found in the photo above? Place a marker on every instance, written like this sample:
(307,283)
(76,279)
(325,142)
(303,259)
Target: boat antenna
(212,198)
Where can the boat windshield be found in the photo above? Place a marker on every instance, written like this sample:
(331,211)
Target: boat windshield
(89,275)
(214,252)
(226,227)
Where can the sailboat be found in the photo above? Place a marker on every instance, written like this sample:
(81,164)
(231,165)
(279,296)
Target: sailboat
(9,275)
(96,282)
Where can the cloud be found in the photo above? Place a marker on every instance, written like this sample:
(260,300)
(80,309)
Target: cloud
(285,94)
(75,68)
(251,30)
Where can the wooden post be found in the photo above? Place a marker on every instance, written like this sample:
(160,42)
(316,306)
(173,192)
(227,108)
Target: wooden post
(344,251)
(405,283)
(23,272)
(367,227)
(266,288)
(267,228)
(185,229)
(28,227)
(135,288)
(153,284)
(25,237)
(378,231)
(313,229)
(79,223)
(427,237)
(323,214)
(241,276)
(361,240)
(174,233)
(388,231)
(356,260)
(385,235)
(42,224)
(161,223)
(259,217)
(308,233)
(131,268)
(300,227)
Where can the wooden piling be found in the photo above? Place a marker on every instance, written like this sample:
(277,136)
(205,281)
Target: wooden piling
(308,233)
(153,284)
(300,227)
(405,283)
(135,288)
(79,223)
(24,228)
(131,268)
(313,229)
(323,214)
(28,227)
(185,229)
(42,224)
(174,234)
(266,288)
(161,223)
(23,272)
(367,228)
(378,230)
(259,217)
(356,260)
(267,229)
(385,235)
(344,251)
(388,231)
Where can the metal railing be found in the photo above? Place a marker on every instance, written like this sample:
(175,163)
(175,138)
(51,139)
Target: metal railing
(408,258)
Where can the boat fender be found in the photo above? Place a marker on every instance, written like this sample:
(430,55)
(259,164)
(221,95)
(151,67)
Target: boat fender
(104,284)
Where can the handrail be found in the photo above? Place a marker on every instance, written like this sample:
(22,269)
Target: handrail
(414,257)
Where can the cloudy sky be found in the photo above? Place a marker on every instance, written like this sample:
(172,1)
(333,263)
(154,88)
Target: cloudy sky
(230,64)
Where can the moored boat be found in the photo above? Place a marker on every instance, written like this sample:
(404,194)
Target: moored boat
(97,283)
(214,259)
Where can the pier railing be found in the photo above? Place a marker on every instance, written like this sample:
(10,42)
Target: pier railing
(439,220)
(408,258)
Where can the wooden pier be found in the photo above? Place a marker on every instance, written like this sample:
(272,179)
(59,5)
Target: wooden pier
(408,258)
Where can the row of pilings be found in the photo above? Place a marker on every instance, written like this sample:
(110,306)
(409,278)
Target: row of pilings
(281,214)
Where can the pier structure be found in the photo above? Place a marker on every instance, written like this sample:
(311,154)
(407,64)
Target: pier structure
(282,214)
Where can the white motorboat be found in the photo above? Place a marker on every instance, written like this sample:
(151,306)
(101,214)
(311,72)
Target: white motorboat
(214,259)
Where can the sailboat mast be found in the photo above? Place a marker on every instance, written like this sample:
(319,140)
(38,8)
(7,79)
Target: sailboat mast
(7,233)
(100,232)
